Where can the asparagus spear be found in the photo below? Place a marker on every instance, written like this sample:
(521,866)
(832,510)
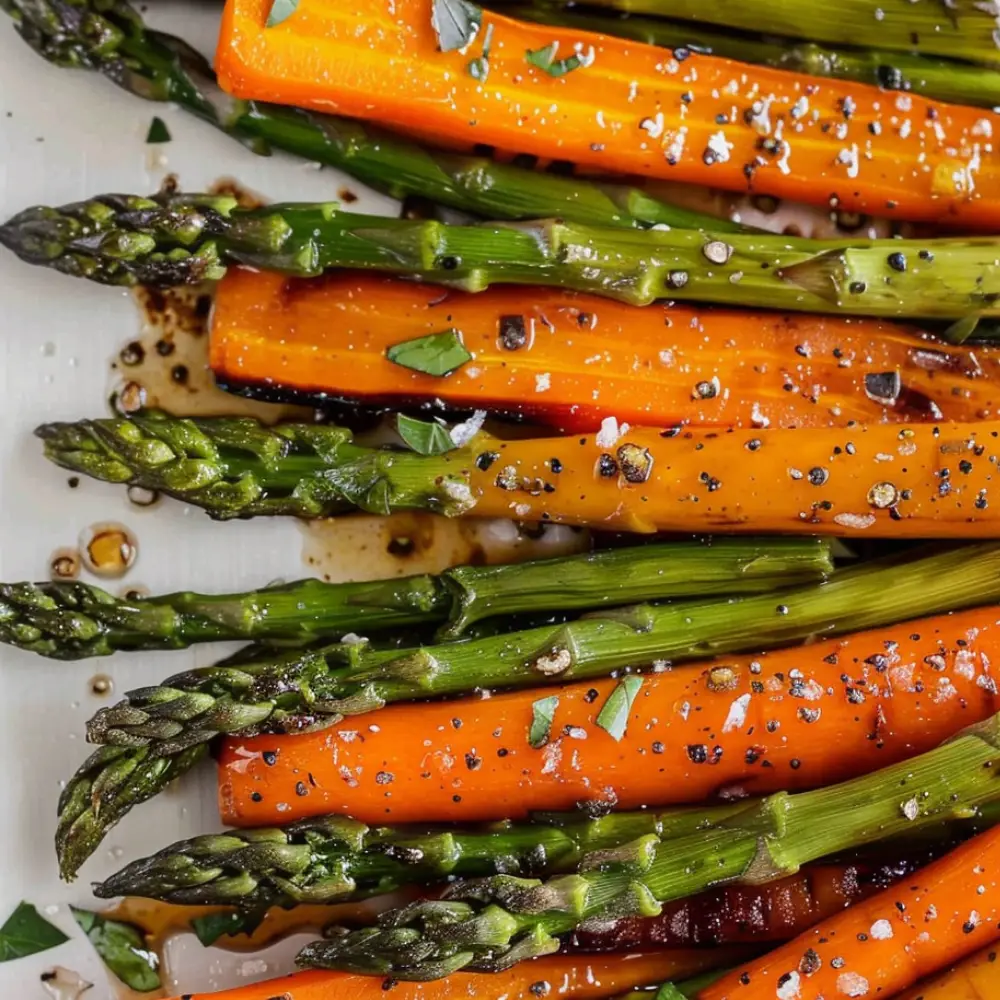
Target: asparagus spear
(959,29)
(310,689)
(333,859)
(74,620)
(109,36)
(492,923)
(943,79)
(175,239)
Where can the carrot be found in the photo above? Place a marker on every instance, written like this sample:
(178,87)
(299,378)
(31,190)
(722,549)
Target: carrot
(571,360)
(885,944)
(744,914)
(562,975)
(977,978)
(629,108)
(791,719)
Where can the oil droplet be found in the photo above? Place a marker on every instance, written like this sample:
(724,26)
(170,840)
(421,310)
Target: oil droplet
(64,984)
(128,398)
(134,592)
(101,685)
(109,549)
(141,496)
(64,564)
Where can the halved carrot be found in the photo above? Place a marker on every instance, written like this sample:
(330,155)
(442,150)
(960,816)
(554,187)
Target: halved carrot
(977,978)
(885,944)
(586,977)
(629,108)
(570,360)
(791,719)
(745,914)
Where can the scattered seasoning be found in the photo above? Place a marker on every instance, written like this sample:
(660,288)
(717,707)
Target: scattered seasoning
(545,59)
(437,354)
(141,496)
(281,10)
(607,466)
(158,131)
(513,332)
(717,252)
(132,354)
(897,261)
(456,23)
(677,279)
(818,476)
(636,462)
(884,387)
(883,495)
(423,436)
(485,459)
(542,713)
(707,389)
(614,713)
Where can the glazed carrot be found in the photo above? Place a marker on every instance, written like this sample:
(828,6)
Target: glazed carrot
(792,719)
(977,978)
(590,977)
(744,914)
(571,360)
(625,108)
(885,944)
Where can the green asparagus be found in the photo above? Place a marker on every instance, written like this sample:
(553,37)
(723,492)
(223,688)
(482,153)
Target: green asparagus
(109,36)
(492,923)
(942,79)
(74,620)
(311,689)
(175,239)
(959,29)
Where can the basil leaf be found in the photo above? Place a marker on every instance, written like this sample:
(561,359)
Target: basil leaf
(423,437)
(281,10)
(436,354)
(542,713)
(456,23)
(27,932)
(122,949)
(158,131)
(215,925)
(545,59)
(613,717)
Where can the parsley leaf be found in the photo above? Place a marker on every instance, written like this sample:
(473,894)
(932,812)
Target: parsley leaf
(122,948)
(424,437)
(281,10)
(27,932)
(436,354)
(613,717)
(542,713)
(545,59)
(215,925)
(456,23)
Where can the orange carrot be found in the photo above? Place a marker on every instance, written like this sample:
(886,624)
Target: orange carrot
(885,944)
(589,977)
(570,360)
(791,719)
(977,978)
(631,108)
(744,914)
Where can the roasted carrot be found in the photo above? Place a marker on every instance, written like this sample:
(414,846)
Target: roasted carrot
(589,977)
(571,360)
(791,719)
(977,978)
(745,914)
(885,944)
(621,106)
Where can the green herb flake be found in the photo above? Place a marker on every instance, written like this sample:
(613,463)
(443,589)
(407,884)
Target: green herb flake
(613,717)
(424,437)
(27,932)
(436,354)
(215,925)
(281,10)
(545,60)
(158,131)
(456,23)
(960,331)
(542,713)
(122,948)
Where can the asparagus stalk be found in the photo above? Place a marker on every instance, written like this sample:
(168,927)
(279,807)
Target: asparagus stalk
(333,859)
(109,36)
(74,620)
(943,79)
(311,689)
(958,29)
(494,922)
(175,239)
